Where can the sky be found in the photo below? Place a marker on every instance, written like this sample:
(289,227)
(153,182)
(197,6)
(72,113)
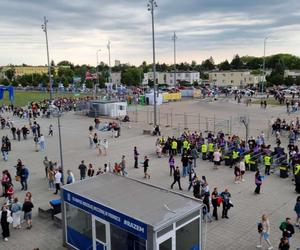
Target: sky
(78,28)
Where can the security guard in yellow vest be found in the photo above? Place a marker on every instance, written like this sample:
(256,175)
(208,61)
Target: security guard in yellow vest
(235,157)
(297,178)
(185,145)
(204,151)
(211,151)
(247,158)
(267,160)
(174,147)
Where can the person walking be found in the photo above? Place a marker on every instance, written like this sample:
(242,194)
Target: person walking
(16,209)
(226,203)
(287,229)
(82,169)
(185,162)
(171,164)
(104,144)
(70,177)
(146,166)
(50,130)
(176,178)
(57,180)
(264,232)
(27,209)
(242,170)
(123,166)
(195,155)
(136,157)
(192,178)
(5,218)
(51,177)
(297,210)
(46,163)
(42,142)
(24,177)
(258,182)
(215,202)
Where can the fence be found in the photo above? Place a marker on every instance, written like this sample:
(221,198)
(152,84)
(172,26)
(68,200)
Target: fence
(181,121)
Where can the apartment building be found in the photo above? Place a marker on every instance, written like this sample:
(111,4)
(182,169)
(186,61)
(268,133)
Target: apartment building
(169,77)
(294,73)
(116,78)
(234,78)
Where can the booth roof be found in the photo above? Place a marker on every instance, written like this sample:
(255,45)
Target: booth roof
(152,205)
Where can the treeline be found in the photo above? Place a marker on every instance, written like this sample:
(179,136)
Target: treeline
(133,75)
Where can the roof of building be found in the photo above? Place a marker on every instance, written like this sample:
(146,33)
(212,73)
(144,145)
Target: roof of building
(152,205)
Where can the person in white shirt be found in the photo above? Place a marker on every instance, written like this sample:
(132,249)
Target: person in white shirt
(57,180)
(242,169)
(104,144)
(217,158)
(42,142)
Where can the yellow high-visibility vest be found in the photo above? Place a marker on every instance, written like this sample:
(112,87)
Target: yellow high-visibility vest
(297,169)
(174,144)
(247,158)
(203,148)
(185,144)
(211,147)
(235,154)
(267,160)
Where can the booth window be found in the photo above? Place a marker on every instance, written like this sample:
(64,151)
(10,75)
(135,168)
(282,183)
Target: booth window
(187,237)
(79,227)
(123,240)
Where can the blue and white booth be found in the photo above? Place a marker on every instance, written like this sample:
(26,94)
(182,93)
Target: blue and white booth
(110,212)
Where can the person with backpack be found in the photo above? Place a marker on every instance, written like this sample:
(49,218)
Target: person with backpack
(263,228)
(226,203)
(287,229)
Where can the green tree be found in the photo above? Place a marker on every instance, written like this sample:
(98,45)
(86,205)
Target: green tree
(131,76)
(237,63)
(10,73)
(224,65)
(4,82)
(208,64)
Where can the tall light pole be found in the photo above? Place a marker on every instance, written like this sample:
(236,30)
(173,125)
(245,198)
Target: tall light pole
(264,66)
(151,6)
(109,63)
(58,115)
(174,38)
(94,89)
(44,28)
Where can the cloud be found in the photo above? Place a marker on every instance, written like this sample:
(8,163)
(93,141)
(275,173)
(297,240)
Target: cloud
(218,28)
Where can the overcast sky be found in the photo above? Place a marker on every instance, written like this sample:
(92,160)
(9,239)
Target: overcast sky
(77,28)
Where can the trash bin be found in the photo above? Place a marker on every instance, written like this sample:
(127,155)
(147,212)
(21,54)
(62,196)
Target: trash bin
(283,171)
(227,159)
(56,207)
(253,166)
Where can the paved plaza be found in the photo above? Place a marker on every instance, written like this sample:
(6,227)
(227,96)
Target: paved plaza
(239,232)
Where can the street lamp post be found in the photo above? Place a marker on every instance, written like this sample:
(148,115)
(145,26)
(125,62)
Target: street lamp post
(44,27)
(151,6)
(109,63)
(57,114)
(94,89)
(264,66)
(174,38)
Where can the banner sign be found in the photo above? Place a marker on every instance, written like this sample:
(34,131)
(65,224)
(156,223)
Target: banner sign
(121,220)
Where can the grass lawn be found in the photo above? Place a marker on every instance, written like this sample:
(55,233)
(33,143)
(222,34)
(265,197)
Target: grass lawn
(22,98)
